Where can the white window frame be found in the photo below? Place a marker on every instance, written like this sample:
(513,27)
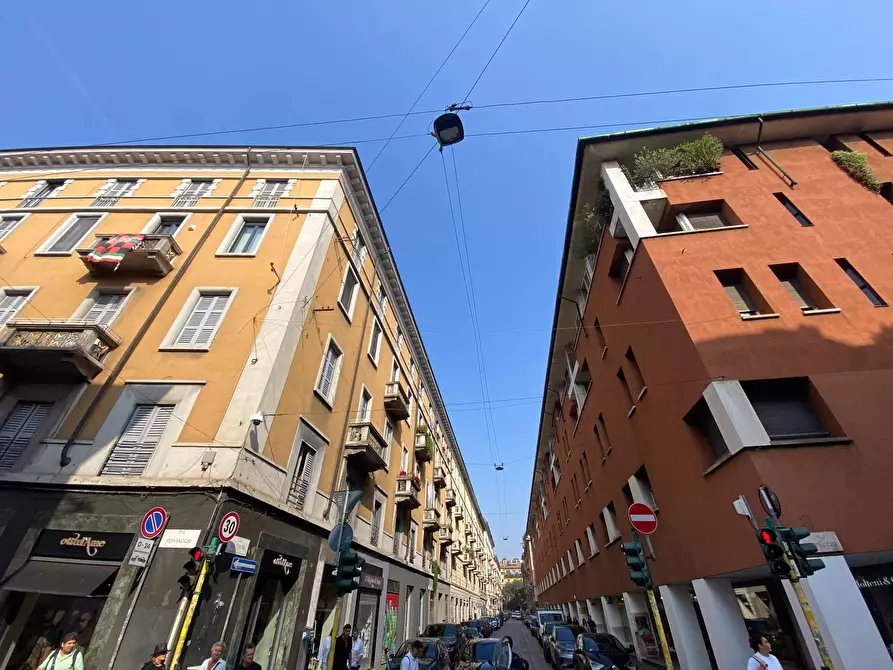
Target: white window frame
(329,399)
(236,228)
(29,290)
(156,219)
(570,561)
(579,547)
(186,183)
(348,311)
(169,343)
(107,186)
(386,456)
(593,544)
(31,192)
(611,528)
(399,339)
(358,259)
(84,308)
(44,249)
(395,368)
(373,355)
(21,216)
(365,391)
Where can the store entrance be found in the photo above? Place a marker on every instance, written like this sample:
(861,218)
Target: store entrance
(275,581)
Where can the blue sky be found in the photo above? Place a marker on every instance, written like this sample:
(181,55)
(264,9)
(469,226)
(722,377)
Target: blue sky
(82,73)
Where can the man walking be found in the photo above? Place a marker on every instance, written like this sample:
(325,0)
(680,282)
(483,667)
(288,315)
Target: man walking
(342,649)
(248,662)
(159,656)
(66,657)
(357,651)
(411,660)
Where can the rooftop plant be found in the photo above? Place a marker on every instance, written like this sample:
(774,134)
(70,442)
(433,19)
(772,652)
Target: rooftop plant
(595,217)
(698,156)
(857,166)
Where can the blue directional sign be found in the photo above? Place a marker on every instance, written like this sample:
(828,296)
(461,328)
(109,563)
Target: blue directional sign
(240,564)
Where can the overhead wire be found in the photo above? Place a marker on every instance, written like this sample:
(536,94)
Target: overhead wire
(406,181)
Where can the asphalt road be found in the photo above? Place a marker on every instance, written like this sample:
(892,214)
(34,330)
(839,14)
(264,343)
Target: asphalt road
(524,643)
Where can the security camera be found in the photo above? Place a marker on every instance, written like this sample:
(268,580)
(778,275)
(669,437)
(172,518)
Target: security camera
(257,418)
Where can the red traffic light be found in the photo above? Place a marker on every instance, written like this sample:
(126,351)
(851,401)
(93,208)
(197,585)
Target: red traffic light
(196,553)
(767,536)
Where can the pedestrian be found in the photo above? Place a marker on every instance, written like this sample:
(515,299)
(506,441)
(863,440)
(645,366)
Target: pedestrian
(411,660)
(248,662)
(357,651)
(66,657)
(342,649)
(159,656)
(322,655)
(762,658)
(215,662)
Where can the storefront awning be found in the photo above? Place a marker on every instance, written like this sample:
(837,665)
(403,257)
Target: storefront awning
(61,578)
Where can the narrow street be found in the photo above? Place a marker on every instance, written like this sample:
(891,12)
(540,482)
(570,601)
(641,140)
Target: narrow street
(524,643)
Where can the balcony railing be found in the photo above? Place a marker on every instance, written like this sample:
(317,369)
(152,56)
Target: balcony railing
(54,351)
(440,478)
(431,520)
(446,535)
(458,512)
(450,498)
(396,402)
(423,451)
(407,492)
(374,535)
(365,447)
(153,254)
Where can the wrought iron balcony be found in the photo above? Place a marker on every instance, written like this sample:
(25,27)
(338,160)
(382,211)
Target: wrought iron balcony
(407,492)
(365,447)
(54,351)
(446,535)
(440,478)
(151,255)
(396,402)
(431,520)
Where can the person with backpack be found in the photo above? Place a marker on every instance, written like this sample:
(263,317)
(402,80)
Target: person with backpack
(66,657)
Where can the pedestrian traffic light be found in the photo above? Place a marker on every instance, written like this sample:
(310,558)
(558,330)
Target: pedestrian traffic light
(191,569)
(773,551)
(801,551)
(350,569)
(636,563)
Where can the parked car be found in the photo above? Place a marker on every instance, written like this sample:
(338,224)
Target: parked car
(495,622)
(450,634)
(434,656)
(560,645)
(533,623)
(601,649)
(546,616)
(516,615)
(545,632)
(477,651)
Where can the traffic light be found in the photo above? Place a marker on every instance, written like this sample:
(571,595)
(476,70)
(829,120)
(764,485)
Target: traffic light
(636,563)
(801,551)
(191,569)
(774,553)
(350,569)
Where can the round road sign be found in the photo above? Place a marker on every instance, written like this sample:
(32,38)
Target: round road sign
(642,518)
(153,523)
(229,526)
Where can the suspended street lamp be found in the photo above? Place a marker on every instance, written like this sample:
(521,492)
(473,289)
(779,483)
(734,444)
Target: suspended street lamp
(448,127)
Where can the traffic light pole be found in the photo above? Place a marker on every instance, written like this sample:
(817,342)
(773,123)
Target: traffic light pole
(190,612)
(659,626)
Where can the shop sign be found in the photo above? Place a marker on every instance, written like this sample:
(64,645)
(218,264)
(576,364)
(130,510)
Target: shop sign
(874,582)
(179,538)
(82,544)
(826,541)
(372,577)
(283,566)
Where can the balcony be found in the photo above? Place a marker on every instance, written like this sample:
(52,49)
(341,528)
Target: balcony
(151,255)
(431,520)
(455,548)
(458,512)
(469,534)
(365,447)
(396,403)
(446,535)
(450,498)
(424,446)
(65,352)
(440,478)
(407,492)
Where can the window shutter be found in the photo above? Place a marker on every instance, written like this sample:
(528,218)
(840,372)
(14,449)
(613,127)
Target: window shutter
(792,286)
(783,407)
(327,375)
(706,221)
(74,233)
(17,430)
(740,299)
(104,308)
(300,486)
(204,320)
(10,303)
(135,447)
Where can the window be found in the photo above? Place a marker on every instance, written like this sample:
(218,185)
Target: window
(701,419)
(792,209)
(399,340)
(602,430)
(71,233)
(137,443)
(570,560)
(113,191)
(860,282)
(579,547)
(635,374)
(395,370)
(567,516)
(348,292)
(167,224)
(590,536)
(358,248)
(560,525)
(404,460)
(328,373)
(18,429)
(364,412)
(249,233)
(41,191)
(377,512)
(600,338)
(691,221)
(623,259)
(387,436)
(785,409)
(381,299)
(192,192)
(200,327)
(375,342)
(11,301)
(555,468)
(626,392)
(300,483)
(575,489)
(640,485)
(800,287)
(744,158)
(269,192)
(609,518)
(102,308)
(584,466)
(8,223)
(737,286)
(563,567)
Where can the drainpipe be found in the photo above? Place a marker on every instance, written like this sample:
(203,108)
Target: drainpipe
(64,459)
(769,158)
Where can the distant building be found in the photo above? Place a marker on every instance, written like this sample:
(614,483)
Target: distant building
(510,570)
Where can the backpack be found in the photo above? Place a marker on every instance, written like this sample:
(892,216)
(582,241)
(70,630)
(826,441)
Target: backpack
(51,665)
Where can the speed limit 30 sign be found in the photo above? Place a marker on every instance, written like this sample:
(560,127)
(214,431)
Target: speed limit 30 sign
(229,526)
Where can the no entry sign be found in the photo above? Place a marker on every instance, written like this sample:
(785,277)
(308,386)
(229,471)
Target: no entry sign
(642,518)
